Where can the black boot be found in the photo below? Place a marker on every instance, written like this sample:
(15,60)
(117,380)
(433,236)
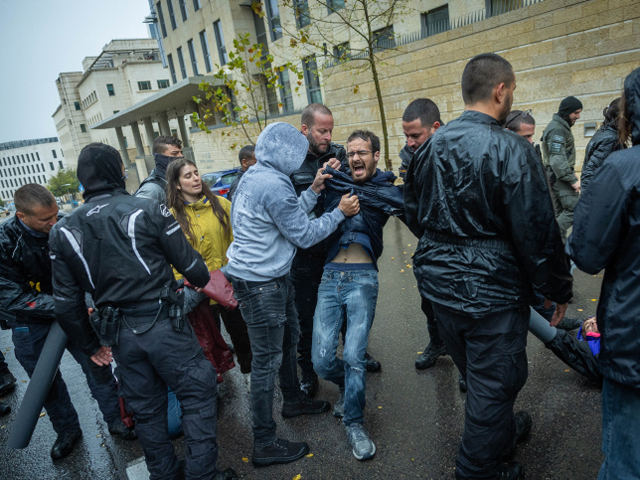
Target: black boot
(309,384)
(462,383)
(371,364)
(119,429)
(4,409)
(523,425)
(576,354)
(427,359)
(64,444)
(304,406)
(510,471)
(7,383)
(280,451)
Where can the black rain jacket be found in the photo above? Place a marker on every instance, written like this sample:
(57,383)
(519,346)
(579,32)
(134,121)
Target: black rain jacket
(378,198)
(477,198)
(302,180)
(604,143)
(25,275)
(118,248)
(606,234)
(406,155)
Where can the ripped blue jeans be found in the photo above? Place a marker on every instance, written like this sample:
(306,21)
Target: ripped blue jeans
(349,296)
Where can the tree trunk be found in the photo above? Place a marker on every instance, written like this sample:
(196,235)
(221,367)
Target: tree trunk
(383,116)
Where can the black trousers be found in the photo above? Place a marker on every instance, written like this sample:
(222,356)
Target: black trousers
(432,325)
(306,275)
(147,364)
(490,353)
(237,330)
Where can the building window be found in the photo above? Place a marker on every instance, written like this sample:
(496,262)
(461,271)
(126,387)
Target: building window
(342,52)
(273,16)
(196,5)
(314,94)
(146,85)
(51,165)
(77,105)
(205,50)
(183,68)
(498,7)
(435,21)
(115,111)
(163,84)
(172,15)
(384,38)
(183,9)
(302,13)
(38,156)
(285,91)
(60,163)
(53,152)
(161,18)
(222,50)
(261,33)
(192,56)
(334,5)
(112,92)
(172,69)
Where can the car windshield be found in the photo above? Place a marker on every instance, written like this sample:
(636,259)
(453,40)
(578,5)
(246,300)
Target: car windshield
(229,178)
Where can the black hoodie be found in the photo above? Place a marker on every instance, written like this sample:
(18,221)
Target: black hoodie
(100,170)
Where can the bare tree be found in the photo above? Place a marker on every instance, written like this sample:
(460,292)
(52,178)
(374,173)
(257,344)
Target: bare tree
(346,31)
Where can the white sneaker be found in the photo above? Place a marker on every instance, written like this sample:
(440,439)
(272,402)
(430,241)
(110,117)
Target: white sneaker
(358,438)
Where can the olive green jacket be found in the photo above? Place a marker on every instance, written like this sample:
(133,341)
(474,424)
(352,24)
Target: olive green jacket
(559,152)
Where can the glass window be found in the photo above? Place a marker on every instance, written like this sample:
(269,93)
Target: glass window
(192,56)
(285,91)
(302,13)
(51,165)
(172,69)
(196,5)
(435,21)
(314,94)
(205,50)
(77,105)
(145,85)
(163,84)
(183,67)
(60,163)
(38,156)
(384,38)
(342,52)
(273,16)
(112,92)
(222,50)
(183,9)
(53,152)
(334,5)
(161,19)
(172,15)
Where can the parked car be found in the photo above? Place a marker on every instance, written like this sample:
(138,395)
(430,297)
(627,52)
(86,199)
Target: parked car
(3,211)
(219,182)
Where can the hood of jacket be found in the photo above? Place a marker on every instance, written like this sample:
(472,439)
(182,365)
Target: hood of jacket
(100,170)
(632,103)
(282,147)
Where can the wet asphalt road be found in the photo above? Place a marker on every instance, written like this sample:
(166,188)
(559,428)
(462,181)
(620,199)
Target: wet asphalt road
(414,417)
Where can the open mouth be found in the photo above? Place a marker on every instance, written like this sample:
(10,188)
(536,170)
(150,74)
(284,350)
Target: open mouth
(359,169)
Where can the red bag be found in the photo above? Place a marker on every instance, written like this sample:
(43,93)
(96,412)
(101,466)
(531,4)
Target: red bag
(219,289)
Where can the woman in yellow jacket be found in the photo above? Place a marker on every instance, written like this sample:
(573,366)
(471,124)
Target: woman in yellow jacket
(205,220)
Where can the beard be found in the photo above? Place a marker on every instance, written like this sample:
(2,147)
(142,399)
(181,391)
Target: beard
(318,149)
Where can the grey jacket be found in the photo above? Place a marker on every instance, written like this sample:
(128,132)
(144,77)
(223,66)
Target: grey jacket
(269,221)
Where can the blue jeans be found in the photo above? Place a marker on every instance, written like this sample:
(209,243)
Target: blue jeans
(620,426)
(349,296)
(268,309)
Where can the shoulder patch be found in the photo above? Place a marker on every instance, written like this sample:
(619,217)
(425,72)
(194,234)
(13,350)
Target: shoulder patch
(164,210)
(556,144)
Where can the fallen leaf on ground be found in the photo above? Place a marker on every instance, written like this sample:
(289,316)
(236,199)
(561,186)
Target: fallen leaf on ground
(310,455)
(245,459)
(401,271)
(297,477)
(43,414)
(594,299)
(567,370)
(580,310)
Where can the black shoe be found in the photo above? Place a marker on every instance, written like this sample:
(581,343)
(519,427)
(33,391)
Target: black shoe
(64,444)
(462,383)
(309,385)
(427,359)
(280,451)
(569,323)
(371,364)
(511,471)
(304,406)
(7,383)
(228,474)
(4,409)
(523,424)
(119,429)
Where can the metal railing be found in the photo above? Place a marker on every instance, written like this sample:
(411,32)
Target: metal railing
(494,8)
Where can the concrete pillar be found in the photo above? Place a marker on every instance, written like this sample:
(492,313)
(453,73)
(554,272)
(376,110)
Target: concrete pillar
(183,131)
(163,122)
(137,138)
(148,130)
(123,148)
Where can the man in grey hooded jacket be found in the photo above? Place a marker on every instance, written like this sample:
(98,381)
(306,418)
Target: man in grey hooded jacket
(269,223)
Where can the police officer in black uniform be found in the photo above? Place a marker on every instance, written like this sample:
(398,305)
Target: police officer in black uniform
(165,149)
(120,249)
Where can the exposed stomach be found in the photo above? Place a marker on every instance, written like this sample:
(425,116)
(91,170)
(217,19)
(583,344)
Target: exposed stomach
(354,253)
